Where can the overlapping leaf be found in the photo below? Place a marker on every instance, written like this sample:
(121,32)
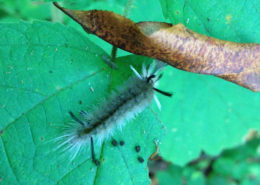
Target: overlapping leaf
(176,45)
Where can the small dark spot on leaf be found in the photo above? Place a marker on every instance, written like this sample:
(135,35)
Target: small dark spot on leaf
(1,179)
(137,148)
(140,159)
(80,102)
(41,138)
(208,19)
(50,71)
(177,12)
(114,142)
(122,143)
(97,163)
(1,132)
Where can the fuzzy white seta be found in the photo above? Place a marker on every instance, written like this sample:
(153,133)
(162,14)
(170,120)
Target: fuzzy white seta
(114,113)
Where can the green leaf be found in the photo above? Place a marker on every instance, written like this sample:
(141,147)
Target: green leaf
(176,175)
(240,163)
(173,175)
(25,9)
(207,113)
(146,11)
(237,166)
(224,19)
(47,70)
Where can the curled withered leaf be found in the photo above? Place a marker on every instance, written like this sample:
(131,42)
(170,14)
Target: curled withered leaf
(176,45)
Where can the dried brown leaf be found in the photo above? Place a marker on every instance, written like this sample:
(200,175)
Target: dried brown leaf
(176,45)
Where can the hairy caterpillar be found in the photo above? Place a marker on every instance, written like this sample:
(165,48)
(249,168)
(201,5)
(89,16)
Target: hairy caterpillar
(123,106)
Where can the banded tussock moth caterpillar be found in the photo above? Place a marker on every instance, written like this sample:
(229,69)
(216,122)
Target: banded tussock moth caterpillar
(100,124)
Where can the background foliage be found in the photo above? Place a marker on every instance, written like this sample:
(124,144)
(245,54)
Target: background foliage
(48,69)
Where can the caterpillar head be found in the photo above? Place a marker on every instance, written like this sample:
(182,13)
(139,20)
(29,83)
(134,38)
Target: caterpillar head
(151,75)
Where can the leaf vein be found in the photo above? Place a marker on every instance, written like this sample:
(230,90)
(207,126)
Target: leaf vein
(50,96)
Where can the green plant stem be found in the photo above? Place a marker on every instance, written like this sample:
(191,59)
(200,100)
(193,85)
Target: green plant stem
(126,13)
(113,53)
(56,15)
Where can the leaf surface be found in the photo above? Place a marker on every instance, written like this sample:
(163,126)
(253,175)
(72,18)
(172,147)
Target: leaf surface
(47,70)
(209,114)
(205,114)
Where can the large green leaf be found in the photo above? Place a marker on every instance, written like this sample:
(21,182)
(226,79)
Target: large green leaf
(47,70)
(224,19)
(207,113)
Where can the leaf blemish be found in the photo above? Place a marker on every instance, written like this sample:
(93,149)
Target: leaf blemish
(114,142)
(1,132)
(228,18)
(137,149)
(140,159)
